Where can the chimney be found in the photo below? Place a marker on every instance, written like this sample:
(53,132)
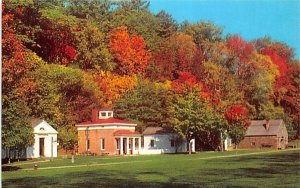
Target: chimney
(267,124)
(95,115)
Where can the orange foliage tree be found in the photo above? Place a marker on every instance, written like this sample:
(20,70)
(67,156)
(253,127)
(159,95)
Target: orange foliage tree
(114,86)
(177,53)
(129,51)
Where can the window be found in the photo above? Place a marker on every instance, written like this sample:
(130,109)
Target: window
(109,114)
(252,143)
(88,145)
(118,143)
(172,143)
(102,144)
(42,129)
(152,143)
(103,114)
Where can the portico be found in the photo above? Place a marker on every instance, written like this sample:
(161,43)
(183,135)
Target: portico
(127,143)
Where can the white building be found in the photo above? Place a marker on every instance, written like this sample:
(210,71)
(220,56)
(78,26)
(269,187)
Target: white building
(45,140)
(158,140)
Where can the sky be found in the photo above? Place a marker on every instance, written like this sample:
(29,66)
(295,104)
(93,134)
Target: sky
(251,19)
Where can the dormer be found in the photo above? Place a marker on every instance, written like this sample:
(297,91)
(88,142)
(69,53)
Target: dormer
(105,114)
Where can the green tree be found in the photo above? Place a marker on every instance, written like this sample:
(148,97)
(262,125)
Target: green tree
(193,118)
(147,104)
(92,52)
(64,95)
(207,36)
(143,23)
(68,137)
(17,133)
(167,24)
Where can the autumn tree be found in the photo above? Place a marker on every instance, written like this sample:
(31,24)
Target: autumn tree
(219,85)
(129,51)
(238,121)
(114,86)
(177,53)
(280,56)
(58,43)
(138,19)
(17,132)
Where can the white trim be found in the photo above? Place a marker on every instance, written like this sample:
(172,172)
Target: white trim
(106,127)
(103,124)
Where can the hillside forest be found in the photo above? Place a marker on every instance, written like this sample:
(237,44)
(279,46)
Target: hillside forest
(61,59)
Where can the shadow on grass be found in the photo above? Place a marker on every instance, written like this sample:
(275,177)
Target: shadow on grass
(256,169)
(10,168)
(105,178)
(263,167)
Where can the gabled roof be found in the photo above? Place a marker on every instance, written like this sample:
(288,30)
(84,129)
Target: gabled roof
(257,127)
(156,130)
(35,121)
(126,133)
(37,124)
(108,121)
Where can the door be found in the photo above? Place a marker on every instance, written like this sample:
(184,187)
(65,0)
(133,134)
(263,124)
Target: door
(42,147)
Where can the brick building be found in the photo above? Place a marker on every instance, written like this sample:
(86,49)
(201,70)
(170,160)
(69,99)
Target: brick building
(105,134)
(265,134)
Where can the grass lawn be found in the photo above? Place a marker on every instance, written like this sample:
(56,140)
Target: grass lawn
(262,168)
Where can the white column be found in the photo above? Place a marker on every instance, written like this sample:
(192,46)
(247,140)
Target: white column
(133,145)
(127,146)
(121,145)
(140,144)
(193,145)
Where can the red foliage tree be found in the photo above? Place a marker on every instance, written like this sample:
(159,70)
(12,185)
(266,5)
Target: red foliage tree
(57,43)
(238,121)
(177,53)
(283,81)
(239,47)
(129,51)
(235,114)
(185,82)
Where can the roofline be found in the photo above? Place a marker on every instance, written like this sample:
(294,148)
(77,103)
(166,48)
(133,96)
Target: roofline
(45,132)
(261,135)
(127,135)
(158,133)
(102,124)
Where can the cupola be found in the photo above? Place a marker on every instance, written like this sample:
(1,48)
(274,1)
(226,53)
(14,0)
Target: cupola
(105,114)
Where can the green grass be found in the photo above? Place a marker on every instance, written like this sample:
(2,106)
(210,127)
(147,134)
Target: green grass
(207,169)
(294,143)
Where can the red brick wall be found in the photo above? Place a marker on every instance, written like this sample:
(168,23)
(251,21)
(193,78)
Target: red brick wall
(94,137)
(259,141)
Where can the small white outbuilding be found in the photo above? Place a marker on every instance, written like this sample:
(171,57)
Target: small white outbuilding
(45,140)
(158,140)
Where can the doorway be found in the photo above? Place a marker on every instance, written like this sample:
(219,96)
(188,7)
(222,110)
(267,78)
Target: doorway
(42,147)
